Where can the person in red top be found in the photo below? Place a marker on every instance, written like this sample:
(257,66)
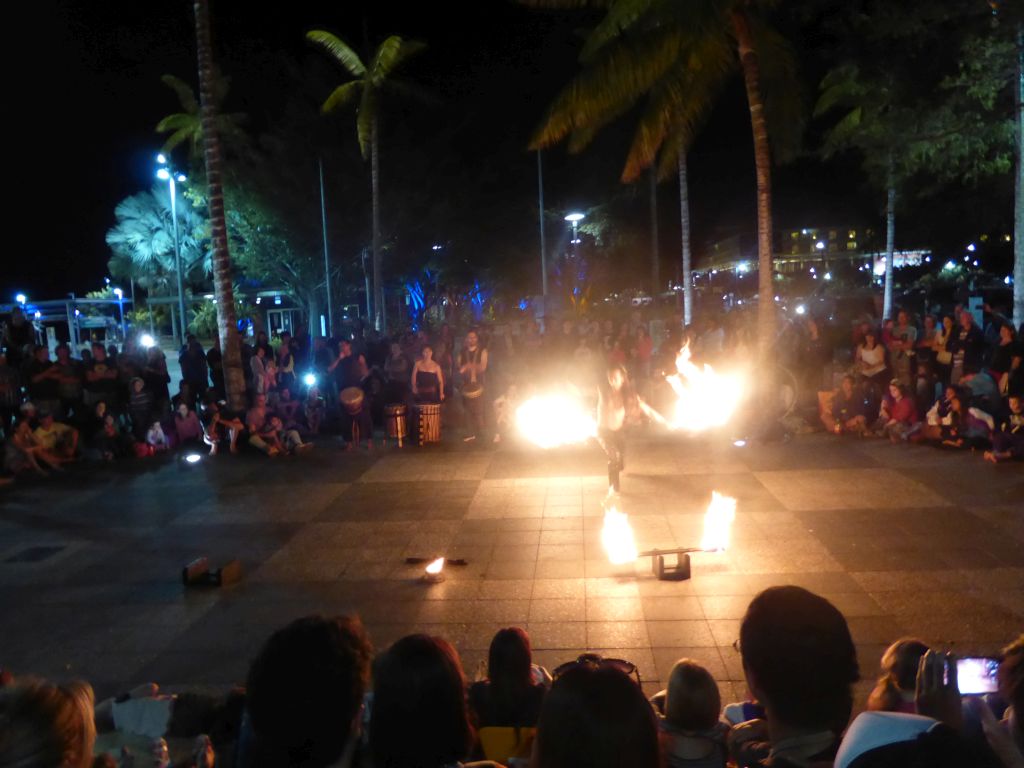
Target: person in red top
(898,414)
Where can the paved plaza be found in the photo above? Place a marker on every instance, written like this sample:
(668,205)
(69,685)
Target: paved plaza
(902,539)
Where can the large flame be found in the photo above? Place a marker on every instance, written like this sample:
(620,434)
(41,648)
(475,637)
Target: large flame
(435,567)
(617,537)
(704,398)
(553,420)
(718,522)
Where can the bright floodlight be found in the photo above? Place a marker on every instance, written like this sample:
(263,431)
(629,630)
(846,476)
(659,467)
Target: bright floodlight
(309,380)
(820,245)
(1007,280)
(182,178)
(38,315)
(193,458)
(21,298)
(163,174)
(801,309)
(161,158)
(971,247)
(574,217)
(739,443)
(950,264)
(119,293)
(828,275)
(147,341)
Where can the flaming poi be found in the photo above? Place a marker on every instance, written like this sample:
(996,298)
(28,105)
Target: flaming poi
(704,398)
(549,421)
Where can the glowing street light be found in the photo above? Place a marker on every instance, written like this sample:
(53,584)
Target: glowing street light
(575,218)
(120,306)
(164,173)
(309,380)
(147,341)
(21,298)
(971,248)
(820,245)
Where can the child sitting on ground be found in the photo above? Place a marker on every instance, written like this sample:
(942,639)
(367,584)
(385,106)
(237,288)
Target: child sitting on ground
(691,733)
(156,438)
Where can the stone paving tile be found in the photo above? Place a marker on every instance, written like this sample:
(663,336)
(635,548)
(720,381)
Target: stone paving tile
(915,548)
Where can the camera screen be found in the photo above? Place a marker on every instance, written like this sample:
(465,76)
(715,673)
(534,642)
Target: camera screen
(977,675)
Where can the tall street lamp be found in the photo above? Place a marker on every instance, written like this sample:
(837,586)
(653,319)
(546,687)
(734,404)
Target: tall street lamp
(575,219)
(120,305)
(165,173)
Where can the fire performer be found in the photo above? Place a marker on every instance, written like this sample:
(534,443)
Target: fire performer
(618,405)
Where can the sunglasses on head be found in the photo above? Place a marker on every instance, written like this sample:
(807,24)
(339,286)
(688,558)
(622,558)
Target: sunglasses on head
(597,660)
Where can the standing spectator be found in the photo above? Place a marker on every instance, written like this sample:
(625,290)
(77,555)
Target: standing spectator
(215,364)
(286,361)
(800,664)
(419,716)
(18,336)
(258,365)
(968,348)
(643,349)
(194,369)
(1006,357)
(902,340)
(157,378)
(69,383)
(10,393)
(140,408)
(101,382)
(42,380)
(943,350)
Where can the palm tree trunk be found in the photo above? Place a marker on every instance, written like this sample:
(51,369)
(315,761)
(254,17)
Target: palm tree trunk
(231,350)
(890,245)
(655,266)
(763,166)
(378,288)
(1018,197)
(684,228)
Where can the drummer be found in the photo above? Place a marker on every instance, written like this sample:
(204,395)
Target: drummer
(427,378)
(350,370)
(473,367)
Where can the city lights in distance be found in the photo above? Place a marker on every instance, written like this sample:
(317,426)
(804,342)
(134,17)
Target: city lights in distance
(949,265)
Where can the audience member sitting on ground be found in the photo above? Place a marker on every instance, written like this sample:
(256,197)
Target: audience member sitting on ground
(187,429)
(217,427)
(285,440)
(800,664)
(140,408)
(692,733)
(1008,438)
(419,716)
(894,691)
(509,697)
(596,716)
(848,412)
(46,726)
(56,438)
(157,439)
(898,414)
(304,695)
(257,421)
(23,451)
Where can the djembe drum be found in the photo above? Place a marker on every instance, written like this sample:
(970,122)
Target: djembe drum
(429,422)
(352,401)
(394,419)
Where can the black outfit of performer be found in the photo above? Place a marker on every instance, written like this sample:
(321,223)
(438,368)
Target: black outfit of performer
(428,387)
(611,431)
(348,376)
(474,405)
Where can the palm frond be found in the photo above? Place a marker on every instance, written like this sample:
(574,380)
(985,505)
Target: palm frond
(339,50)
(341,96)
(186,96)
(177,121)
(610,86)
(390,55)
(180,137)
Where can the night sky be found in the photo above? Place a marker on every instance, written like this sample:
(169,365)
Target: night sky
(491,68)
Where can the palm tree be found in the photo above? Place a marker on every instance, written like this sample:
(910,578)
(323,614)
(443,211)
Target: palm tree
(234,380)
(677,56)
(370,85)
(186,126)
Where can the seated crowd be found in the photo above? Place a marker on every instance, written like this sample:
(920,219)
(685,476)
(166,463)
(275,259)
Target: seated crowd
(317,696)
(942,385)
